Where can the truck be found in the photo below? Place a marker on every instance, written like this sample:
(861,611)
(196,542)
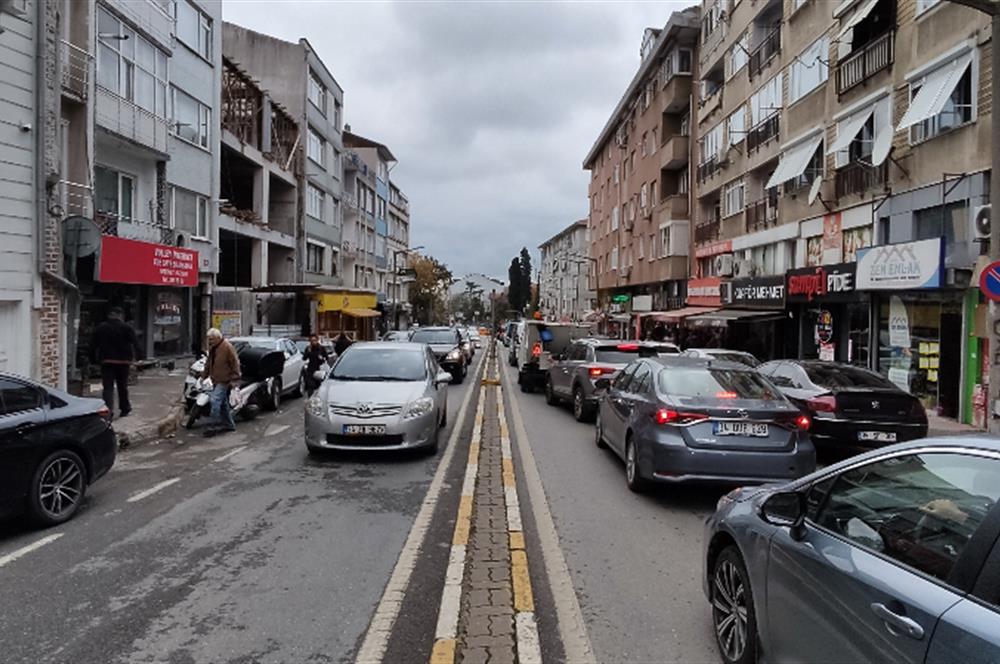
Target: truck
(539,342)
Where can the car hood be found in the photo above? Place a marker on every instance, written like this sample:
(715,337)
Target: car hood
(443,349)
(383,392)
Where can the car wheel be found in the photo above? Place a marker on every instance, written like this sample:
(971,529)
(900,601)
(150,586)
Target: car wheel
(432,449)
(57,488)
(550,395)
(599,433)
(300,387)
(274,395)
(444,418)
(315,451)
(633,479)
(733,617)
(582,411)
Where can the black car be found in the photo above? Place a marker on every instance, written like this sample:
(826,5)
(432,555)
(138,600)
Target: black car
(52,447)
(849,406)
(446,343)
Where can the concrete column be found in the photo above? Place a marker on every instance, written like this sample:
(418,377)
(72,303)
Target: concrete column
(262,183)
(258,263)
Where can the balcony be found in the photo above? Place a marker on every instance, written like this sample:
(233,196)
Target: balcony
(130,121)
(763,213)
(708,169)
(766,130)
(858,177)
(861,65)
(676,206)
(77,65)
(706,232)
(765,52)
(76,199)
(677,93)
(709,105)
(674,153)
(133,229)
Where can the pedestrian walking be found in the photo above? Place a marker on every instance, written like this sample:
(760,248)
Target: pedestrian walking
(115,347)
(223,367)
(659,332)
(315,357)
(342,343)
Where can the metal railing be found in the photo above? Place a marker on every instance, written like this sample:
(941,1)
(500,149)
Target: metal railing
(707,231)
(858,177)
(77,64)
(135,229)
(764,131)
(708,168)
(861,65)
(763,213)
(128,119)
(767,49)
(76,199)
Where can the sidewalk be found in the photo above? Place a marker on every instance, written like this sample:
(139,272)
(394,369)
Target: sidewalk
(157,405)
(943,426)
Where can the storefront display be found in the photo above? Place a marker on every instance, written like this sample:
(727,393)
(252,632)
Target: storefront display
(833,316)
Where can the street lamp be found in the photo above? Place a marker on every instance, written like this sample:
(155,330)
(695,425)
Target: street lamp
(395,282)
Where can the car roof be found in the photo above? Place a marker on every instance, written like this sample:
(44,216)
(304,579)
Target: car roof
(394,346)
(436,328)
(264,339)
(688,362)
(719,350)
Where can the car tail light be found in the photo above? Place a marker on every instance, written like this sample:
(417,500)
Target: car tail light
(803,422)
(725,395)
(628,346)
(667,416)
(824,404)
(104,412)
(536,350)
(599,371)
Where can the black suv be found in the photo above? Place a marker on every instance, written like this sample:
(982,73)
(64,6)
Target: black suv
(446,344)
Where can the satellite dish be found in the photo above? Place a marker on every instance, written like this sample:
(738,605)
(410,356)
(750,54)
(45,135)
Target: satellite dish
(814,190)
(80,236)
(880,150)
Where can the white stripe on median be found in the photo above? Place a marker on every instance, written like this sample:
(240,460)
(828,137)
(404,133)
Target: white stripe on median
(151,490)
(25,550)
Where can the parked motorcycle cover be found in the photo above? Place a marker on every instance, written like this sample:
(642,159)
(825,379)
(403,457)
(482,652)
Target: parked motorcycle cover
(260,363)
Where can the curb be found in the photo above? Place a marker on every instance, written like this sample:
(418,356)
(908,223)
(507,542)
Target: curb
(161,428)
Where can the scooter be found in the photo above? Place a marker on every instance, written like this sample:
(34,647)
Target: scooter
(242,401)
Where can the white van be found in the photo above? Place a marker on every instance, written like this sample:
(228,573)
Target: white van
(538,342)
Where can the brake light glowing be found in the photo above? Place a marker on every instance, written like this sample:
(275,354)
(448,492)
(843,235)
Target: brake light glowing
(824,404)
(628,346)
(599,371)
(803,422)
(536,350)
(667,416)
(104,412)
(725,395)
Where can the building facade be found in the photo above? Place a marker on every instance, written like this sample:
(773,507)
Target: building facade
(565,274)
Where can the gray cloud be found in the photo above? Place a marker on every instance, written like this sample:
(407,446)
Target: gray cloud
(490,107)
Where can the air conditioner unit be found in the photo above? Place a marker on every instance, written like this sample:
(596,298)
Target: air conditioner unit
(628,224)
(981,216)
(744,269)
(724,265)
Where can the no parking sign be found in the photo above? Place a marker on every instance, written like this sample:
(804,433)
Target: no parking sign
(989,281)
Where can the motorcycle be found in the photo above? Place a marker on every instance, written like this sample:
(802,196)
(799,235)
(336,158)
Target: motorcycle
(243,401)
(257,365)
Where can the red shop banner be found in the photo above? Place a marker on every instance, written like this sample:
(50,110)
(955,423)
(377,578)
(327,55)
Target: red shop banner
(126,261)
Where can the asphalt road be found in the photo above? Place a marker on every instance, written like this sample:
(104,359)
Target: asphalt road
(635,560)
(241,548)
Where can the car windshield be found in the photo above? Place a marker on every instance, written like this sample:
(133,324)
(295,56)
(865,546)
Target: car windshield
(395,364)
(711,384)
(844,375)
(742,358)
(240,344)
(433,337)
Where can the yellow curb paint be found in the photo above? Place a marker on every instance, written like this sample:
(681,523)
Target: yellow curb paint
(463,521)
(517,541)
(523,600)
(473,451)
(443,652)
(508,472)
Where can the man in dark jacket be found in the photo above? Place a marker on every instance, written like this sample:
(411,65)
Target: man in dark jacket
(114,345)
(223,366)
(315,356)
(342,343)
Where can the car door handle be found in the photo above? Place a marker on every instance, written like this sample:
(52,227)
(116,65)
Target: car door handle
(894,621)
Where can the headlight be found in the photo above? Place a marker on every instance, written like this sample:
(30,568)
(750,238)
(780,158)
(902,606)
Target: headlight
(419,408)
(454,355)
(316,406)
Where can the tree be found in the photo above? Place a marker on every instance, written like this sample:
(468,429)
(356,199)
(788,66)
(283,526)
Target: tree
(526,289)
(514,286)
(429,289)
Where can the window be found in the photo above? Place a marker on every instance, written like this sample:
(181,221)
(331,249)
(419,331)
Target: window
(315,197)
(732,198)
(716,386)
(766,101)
(381,208)
(809,69)
(17,397)
(814,169)
(924,5)
(316,147)
(338,111)
(614,258)
(920,510)
(710,21)
(614,217)
(736,126)
(192,120)
(711,144)
(685,129)
(645,143)
(316,92)
(642,247)
(652,247)
(644,195)
(622,380)
(641,380)
(739,55)
(115,194)
(617,173)
(957,111)
(664,241)
(189,212)
(194,29)
(685,181)
(678,61)
(315,257)
(131,68)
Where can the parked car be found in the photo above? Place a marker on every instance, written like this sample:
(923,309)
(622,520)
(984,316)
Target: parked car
(291,381)
(679,419)
(723,354)
(890,556)
(849,406)
(476,337)
(573,374)
(539,343)
(446,344)
(514,335)
(466,344)
(379,396)
(52,447)
(396,336)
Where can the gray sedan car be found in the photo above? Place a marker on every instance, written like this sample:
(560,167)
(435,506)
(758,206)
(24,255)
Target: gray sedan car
(679,419)
(890,556)
(379,396)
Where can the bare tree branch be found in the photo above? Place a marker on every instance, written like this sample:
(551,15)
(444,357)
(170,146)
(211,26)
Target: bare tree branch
(990,7)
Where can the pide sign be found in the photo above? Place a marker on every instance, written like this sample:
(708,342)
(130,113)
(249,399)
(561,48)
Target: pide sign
(824,282)
(126,261)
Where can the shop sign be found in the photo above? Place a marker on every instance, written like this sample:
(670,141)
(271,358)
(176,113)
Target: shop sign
(704,292)
(827,352)
(340,301)
(642,303)
(228,321)
(756,292)
(621,298)
(125,261)
(824,326)
(720,247)
(902,266)
(833,241)
(807,284)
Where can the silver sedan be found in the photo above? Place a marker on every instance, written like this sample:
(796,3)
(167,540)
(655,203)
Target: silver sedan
(379,396)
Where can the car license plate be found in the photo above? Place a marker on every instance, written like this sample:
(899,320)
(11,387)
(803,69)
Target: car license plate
(364,429)
(878,436)
(740,429)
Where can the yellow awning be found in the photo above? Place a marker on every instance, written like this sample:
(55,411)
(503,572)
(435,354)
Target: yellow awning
(362,313)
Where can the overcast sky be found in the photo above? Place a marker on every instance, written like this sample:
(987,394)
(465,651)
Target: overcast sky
(490,107)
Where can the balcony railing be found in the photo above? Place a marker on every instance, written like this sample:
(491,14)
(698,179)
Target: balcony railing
(77,199)
(763,213)
(858,67)
(134,229)
(765,131)
(128,119)
(77,65)
(707,231)
(763,54)
(708,169)
(858,177)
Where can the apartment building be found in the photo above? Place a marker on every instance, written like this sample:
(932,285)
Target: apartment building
(565,272)
(640,180)
(300,82)
(842,155)
(397,257)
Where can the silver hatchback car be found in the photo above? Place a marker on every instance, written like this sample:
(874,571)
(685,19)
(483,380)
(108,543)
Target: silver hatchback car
(379,396)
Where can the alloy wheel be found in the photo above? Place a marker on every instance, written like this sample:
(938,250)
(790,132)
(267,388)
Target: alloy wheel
(729,609)
(61,486)
(630,462)
(578,404)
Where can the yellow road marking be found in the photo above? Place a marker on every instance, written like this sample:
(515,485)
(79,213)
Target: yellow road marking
(523,601)
(517,541)
(463,521)
(508,472)
(443,652)
(473,450)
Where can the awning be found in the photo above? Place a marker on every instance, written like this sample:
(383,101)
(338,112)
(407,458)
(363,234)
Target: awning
(621,318)
(677,315)
(858,16)
(725,316)
(794,161)
(362,313)
(848,128)
(935,91)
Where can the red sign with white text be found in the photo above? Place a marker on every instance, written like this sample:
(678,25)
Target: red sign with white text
(126,261)
(705,292)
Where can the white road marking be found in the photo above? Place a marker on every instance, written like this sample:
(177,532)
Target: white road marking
(276,430)
(451,596)
(25,550)
(529,651)
(572,628)
(230,453)
(151,490)
(379,630)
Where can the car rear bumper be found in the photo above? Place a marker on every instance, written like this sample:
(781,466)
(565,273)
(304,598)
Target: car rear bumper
(844,432)
(678,464)
(327,433)
(103,449)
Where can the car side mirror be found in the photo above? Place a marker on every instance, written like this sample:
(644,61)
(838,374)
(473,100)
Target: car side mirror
(442,378)
(786,510)
(602,383)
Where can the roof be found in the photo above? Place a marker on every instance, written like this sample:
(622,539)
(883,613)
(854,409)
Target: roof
(580,223)
(353,140)
(303,43)
(685,20)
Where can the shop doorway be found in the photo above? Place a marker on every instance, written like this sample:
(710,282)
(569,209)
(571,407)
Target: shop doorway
(949,375)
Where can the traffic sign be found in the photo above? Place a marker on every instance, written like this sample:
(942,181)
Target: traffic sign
(989,281)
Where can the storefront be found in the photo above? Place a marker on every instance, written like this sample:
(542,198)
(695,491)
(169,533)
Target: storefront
(833,318)
(752,318)
(352,312)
